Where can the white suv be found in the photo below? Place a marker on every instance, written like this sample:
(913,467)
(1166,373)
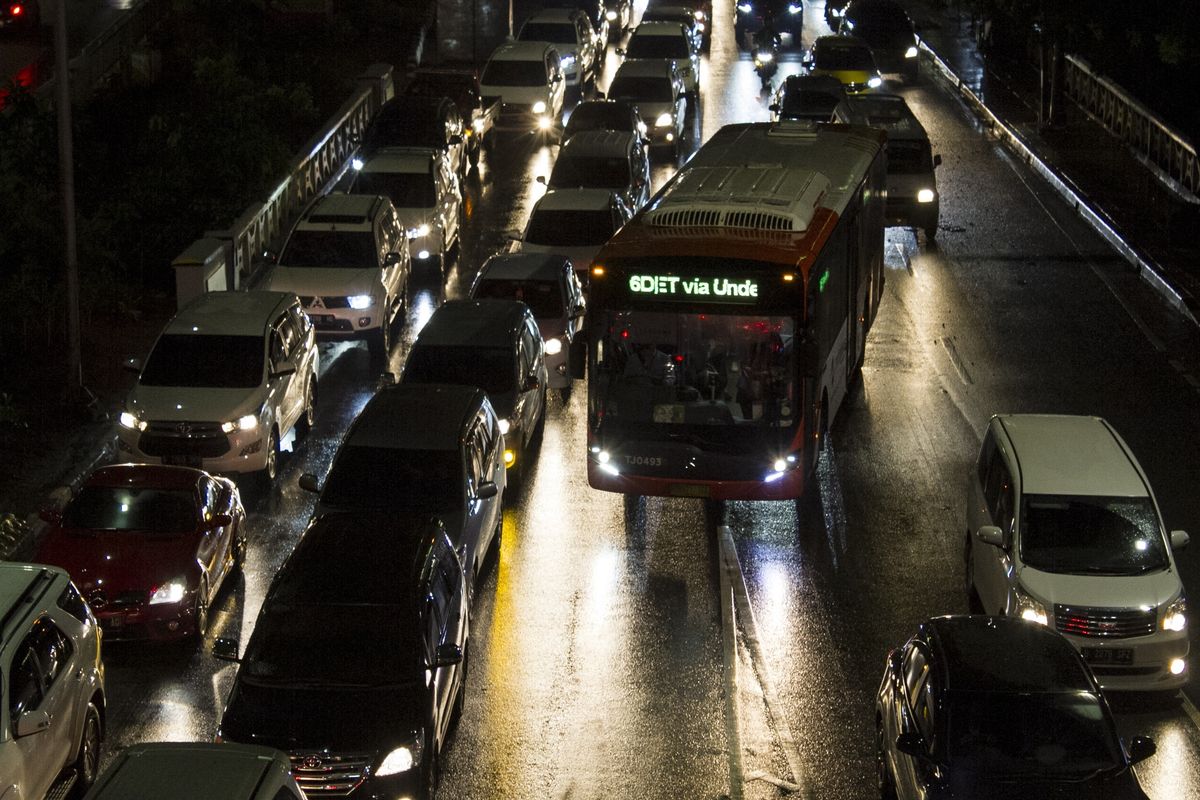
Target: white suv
(348,260)
(1062,529)
(52,708)
(229,376)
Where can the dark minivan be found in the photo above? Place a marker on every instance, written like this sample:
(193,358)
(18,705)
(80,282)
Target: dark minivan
(357,665)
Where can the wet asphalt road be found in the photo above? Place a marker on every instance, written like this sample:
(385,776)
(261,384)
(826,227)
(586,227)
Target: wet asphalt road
(599,648)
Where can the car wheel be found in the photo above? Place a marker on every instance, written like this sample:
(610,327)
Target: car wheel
(266,475)
(200,612)
(883,776)
(87,762)
(238,550)
(308,417)
(379,344)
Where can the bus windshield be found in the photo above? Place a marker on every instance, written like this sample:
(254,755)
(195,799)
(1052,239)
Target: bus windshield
(697,369)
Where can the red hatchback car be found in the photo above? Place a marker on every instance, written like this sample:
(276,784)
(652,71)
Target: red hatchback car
(149,547)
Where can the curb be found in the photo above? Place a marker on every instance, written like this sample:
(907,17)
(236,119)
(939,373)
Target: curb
(1147,268)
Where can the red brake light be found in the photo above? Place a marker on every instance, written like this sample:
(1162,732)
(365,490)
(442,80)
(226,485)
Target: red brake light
(16,10)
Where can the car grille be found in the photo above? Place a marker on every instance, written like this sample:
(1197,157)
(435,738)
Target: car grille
(197,439)
(99,600)
(326,302)
(1104,623)
(510,110)
(325,322)
(329,774)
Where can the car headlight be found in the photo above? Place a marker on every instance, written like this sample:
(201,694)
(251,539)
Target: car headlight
(665,119)
(610,15)
(131,422)
(405,757)
(700,27)
(169,592)
(360,301)
(553,346)
(875,81)
(565,62)
(911,52)
(356,163)
(477,125)
(925,196)
(1175,617)
(795,9)
(539,107)
(246,423)
(1030,609)
(764,57)
(419,231)
(745,8)
(504,426)
(699,15)
(836,12)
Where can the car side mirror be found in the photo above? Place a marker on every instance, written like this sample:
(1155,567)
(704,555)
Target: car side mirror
(36,721)
(911,744)
(308,482)
(391,259)
(133,365)
(1141,748)
(621,50)
(226,650)
(773,107)
(447,655)
(1179,540)
(937,160)
(283,371)
(541,179)
(486,490)
(220,521)
(531,384)
(990,534)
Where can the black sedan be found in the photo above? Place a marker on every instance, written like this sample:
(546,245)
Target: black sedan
(998,708)
(888,31)
(357,665)
(605,115)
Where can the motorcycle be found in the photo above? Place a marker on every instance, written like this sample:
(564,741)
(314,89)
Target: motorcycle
(766,59)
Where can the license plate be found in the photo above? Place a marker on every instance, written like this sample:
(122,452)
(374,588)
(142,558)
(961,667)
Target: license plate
(112,623)
(182,461)
(1105,655)
(688,490)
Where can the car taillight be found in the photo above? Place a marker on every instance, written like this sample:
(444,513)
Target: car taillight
(16,10)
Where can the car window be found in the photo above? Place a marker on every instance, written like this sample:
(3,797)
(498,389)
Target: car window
(300,320)
(916,668)
(53,649)
(24,680)
(986,451)
(474,459)
(279,346)
(925,715)
(73,603)
(999,492)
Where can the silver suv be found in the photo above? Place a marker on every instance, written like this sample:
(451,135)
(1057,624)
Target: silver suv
(52,708)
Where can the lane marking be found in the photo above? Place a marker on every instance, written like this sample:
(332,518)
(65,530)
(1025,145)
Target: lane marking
(731,575)
(733,734)
(1190,709)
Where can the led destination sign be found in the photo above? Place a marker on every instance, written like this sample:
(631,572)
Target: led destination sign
(714,290)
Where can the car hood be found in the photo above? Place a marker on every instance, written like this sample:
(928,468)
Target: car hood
(1101,591)
(325,281)
(650,109)
(519,95)
(195,404)
(411,217)
(371,720)
(847,75)
(1122,785)
(886,39)
(119,561)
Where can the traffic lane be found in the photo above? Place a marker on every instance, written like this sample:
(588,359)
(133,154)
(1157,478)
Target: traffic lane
(1006,313)
(595,666)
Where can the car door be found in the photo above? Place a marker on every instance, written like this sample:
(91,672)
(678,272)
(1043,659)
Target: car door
(451,202)
(46,678)
(280,388)
(483,446)
(586,46)
(993,565)
(475,532)
(915,673)
(641,174)
(212,549)
(305,357)
(555,83)
(443,619)
(394,259)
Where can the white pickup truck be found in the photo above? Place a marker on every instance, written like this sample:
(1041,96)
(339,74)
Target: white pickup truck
(460,84)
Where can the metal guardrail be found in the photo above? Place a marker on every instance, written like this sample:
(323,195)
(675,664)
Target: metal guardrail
(1130,121)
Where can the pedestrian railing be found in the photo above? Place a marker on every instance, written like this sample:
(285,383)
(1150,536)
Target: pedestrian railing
(1148,136)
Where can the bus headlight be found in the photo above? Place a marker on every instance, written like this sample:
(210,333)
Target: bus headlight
(539,107)
(911,52)
(925,196)
(1175,617)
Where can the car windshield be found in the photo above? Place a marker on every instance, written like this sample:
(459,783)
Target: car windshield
(808,104)
(880,20)
(217,362)
(908,158)
(514,73)
(656,46)
(641,88)
(127,509)
(544,298)
(393,478)
(556,32)
(599,116)
(1046,735)
(341,249)
(1095,535)
(570,228)
(401,126)
(590,172)
(844,58)
(312,644)
(404,189)
(492,369)
(459,88)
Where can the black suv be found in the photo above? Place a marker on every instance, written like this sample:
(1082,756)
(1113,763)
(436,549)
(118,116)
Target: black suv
(787,16)
(357,665)
(417,121)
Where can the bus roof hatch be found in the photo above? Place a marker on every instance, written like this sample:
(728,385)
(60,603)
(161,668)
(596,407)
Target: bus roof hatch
(760,197)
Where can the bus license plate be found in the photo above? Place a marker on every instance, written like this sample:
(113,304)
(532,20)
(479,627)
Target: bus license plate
(688,490)
(1104,655)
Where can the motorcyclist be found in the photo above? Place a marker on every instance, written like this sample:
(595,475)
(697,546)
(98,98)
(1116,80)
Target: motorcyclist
(766,49)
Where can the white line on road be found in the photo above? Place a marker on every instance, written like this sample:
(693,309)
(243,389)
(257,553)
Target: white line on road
(733,581)
(1190,710)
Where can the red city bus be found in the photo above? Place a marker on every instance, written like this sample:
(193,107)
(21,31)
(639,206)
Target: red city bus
(728,318)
